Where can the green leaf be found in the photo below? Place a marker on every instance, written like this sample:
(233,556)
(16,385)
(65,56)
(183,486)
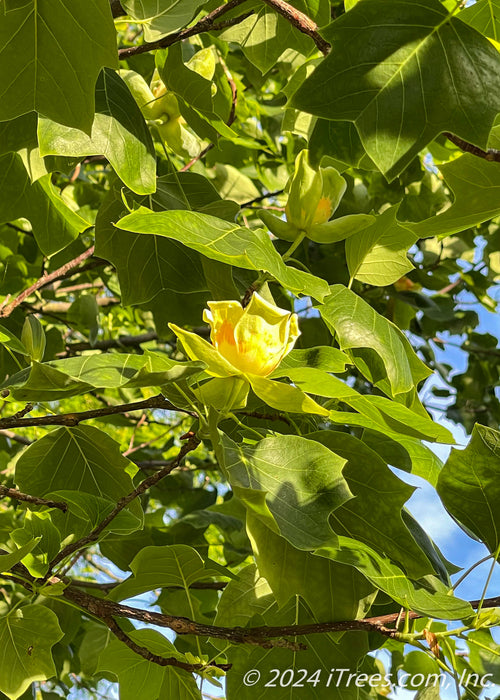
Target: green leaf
(358,326)
(82,459)
(332,591)
(119,132)
(432,600)
(163,18)
(381,74)
(40,527)
(476,186)
(323,357)
(377,255)
(265,35)
(157,280)
(374,516)
(243,598)
(7,561)
(54,224)
(301,484)
(323,656)
(59,379)
(483,15)
(27,636)
(161,567)
(228,243)
(469,482)
(140,678)
(63,45)
(284,397)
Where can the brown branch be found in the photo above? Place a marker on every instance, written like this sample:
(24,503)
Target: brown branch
(207,23)
(261,197)
(116,9)
(152,480)
(491,154)
(155,658)
(28,498)
(109,585)
(72,419)
(265,416)
(44,281)
(301,22)
(14,436)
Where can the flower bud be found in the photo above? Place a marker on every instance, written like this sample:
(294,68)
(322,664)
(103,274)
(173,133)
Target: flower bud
(33,337)
(313,195)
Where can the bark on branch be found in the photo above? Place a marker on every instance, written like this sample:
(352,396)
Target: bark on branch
(28,498)
(72,419)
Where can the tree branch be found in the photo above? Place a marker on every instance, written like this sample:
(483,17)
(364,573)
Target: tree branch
(207,23)
(61,272)
(28,498)
(154,658)
(72,419)
(189,446)
(301,22)
(123,341)
(491,154)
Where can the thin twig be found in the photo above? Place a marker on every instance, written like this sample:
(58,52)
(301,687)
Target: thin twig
(155,658)
(491,154)
(261,197)
(14,436)
(122,341)
(44,281)
(205,24)
(28,498)
(152,480)
(301,22)
(72,419)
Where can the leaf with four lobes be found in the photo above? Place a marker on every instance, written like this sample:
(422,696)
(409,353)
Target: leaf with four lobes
(157,279)
(119,132)
(54,224)
(60,379)
(225,242)
(81,459)
(404,72)
(139,678)
(27,636)
(159,567)
(60,64)
(469,483)
(379,348)
(431,599)
(290,482)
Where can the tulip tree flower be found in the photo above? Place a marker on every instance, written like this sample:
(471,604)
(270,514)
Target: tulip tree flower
(249,344)
(313,197)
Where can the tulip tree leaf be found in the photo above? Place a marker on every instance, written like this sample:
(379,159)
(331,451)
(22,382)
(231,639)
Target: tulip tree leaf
(50,381)
(323,652)
(302,484)
(7,561)
(381,74)
(161,18)
(27,636)
(374,516)
(476,187)
(82,458)
(429,600)
(228,243)
(156,280)
(284,397)
(160,567)
(484,15)
(377,255)
(244,597)
(469,482)
(327,587)
(119,132)
(140,678)
(63,44)
(359,326)
(54,224)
